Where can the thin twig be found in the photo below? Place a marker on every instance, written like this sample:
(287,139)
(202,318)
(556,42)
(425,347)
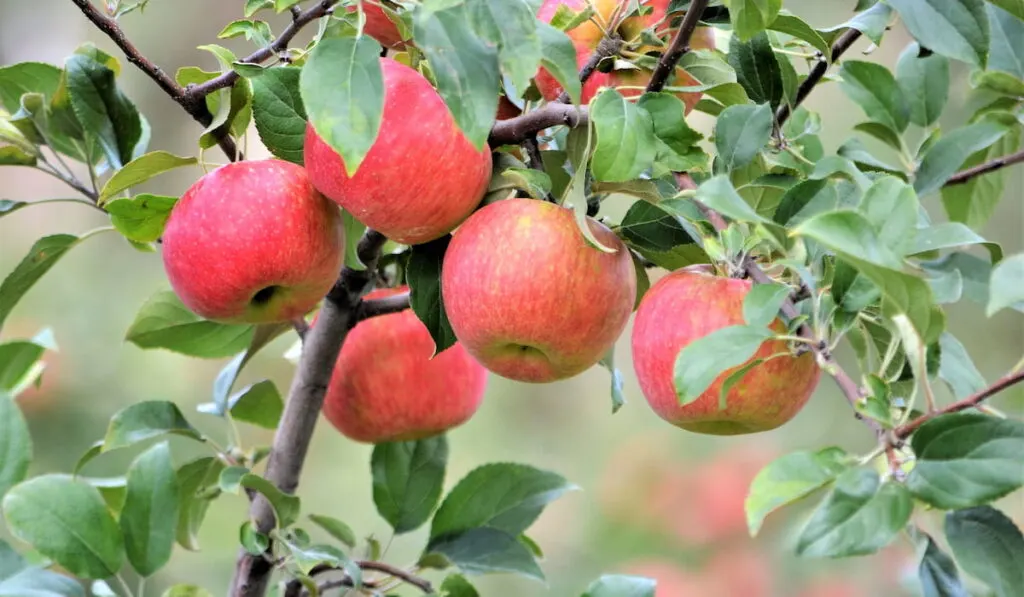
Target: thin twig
(680,45)
(406,576)
(609,46)
(990,166)
(841,45)
(903,431)
(394,303)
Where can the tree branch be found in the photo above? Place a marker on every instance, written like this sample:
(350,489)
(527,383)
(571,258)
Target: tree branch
(305,398)
(609,46)
(294,588)
(515,130)
(395,303)
(680,45)
(990,166)
(227,79)
(841,45)
(194,105)
(903,432)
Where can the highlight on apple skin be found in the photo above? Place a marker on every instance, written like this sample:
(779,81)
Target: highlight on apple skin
(529,297)
(688,304)
(253,242)
(386,387)
(401,189)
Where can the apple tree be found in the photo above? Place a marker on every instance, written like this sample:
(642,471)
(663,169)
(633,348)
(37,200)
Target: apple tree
(437,211)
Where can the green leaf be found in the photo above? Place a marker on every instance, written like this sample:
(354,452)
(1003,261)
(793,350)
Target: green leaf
(741,132)
(872,22)
(762,304)
(278,112)
(974,201)
(608,362)
(464,66)
(647,226)
(27,77)
(407,480)
(503,496)
(145,420)
(750,17)
(486,550)
(254,6)
(699,363)
(254,542)
(757,69)
(141,218)
(342,90)
(558,57)
(456,585)
(254,31)
(578,146)
(938,573)
(41,257)
(286,506)
(881,132)
(102,109)
(512,27)
(947,235)
(1006,53)
(197,483)
(14,156)
(621,585)
(8,207)
(1014,7)
(140,170)
(225,380)
(164,322)
(184,590)
(947,155)
(68,522)
(966,459)
(924,81)
(677,149)
(626,145)
(790,24)
(19,362)
(957,29)
(989,546)
(15,445)
(149,516)
(423,274)
(259,404)
(1007,287)
(719,195)
(860,516)
(892,207)
(957,369)
(789,479)
(536,183)
(875,90)
(335,528)
(19,578)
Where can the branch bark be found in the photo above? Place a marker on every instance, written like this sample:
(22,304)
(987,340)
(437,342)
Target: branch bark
(305,398)
(990,166)
(679,46)
(295,589)
(841,45)
(515,130)
(904,431)
(609,46)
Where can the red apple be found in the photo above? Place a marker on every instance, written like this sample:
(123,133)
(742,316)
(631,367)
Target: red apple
(253,242)
(689,304)
(386,387)
(529,297)
(379,25)
(506,109)
(421,178)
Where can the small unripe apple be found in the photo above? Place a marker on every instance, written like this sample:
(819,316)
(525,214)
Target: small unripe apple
(420,179)
(688,304)
(529,297)
(379,25)
(253,242)
(386,387)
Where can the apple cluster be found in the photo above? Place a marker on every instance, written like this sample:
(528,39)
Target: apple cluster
(527,296)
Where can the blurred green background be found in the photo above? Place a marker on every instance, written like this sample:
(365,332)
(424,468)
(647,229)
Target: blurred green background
(653,499)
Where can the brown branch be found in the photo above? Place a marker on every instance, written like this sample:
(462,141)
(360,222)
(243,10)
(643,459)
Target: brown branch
(194,105)
(990,166)
(609,46)
(515,130)
(320,9)
(405,576)
(680,45)
(305,398)
(903,431)
(294,588)
(841,45)
(395,303)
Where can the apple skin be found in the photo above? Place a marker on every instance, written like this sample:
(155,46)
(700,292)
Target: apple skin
(688,304)
(379,25)
(528,297)
(253,242)
(386,387)
(420,179)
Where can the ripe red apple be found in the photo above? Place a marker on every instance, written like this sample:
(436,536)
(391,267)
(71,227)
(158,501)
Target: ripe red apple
(379,25)
(253,242)
(386,387)
(528,297)
(421,178)
(588,35)
(689,304)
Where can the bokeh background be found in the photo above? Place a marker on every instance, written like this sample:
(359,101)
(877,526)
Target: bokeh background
(653,500)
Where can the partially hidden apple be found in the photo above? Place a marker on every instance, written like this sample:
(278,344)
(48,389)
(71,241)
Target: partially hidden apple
(386,387)
(529,297)
(379,24)
(587,36)
(688,304)
(421,178)
(253,242)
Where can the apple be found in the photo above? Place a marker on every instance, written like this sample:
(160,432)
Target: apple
(420,179)
(386,387)
(253,242)
(688,304)
(379,25)
(529,297)
(507,109)
(587,36)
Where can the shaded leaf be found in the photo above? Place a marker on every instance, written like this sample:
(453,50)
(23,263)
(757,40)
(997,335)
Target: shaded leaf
(15,445)
(141,169)
(278,112)
(40,258)
(407,480)
(423,274)
(789,479)
(1007,287)
(141,218)
(149,516)
(145,420)
(699,363)
(954,28)
(626,145)
(164,322)
(989,546)
(741,132)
